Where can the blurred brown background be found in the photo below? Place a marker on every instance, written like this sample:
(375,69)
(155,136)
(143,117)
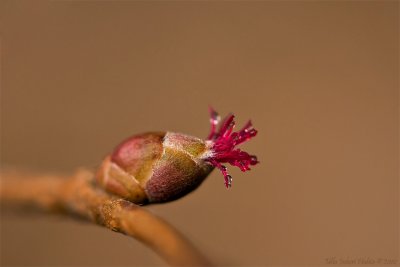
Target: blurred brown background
(319,80)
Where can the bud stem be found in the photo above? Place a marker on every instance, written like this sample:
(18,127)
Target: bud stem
(79,195)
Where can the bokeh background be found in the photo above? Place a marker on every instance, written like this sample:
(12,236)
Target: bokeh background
(319,80)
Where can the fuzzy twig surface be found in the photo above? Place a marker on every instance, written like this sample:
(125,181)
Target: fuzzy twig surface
(79,195)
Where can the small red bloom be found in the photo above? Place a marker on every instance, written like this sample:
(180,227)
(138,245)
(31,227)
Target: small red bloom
(223,145)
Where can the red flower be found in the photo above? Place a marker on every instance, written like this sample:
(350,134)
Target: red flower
(223,145)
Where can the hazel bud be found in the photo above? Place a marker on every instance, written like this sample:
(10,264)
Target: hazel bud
(163,166)
(155,167)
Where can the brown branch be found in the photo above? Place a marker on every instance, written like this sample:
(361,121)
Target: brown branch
(79,195)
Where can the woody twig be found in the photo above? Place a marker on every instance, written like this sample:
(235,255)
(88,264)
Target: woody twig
(79,195)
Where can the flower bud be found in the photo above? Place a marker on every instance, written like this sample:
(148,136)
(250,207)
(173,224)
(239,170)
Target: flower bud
(155,167)
(163,166)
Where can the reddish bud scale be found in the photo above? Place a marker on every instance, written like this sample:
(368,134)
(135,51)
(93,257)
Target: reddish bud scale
(155,167)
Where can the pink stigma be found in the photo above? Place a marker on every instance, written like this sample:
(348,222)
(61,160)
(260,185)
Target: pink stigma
(224,142)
